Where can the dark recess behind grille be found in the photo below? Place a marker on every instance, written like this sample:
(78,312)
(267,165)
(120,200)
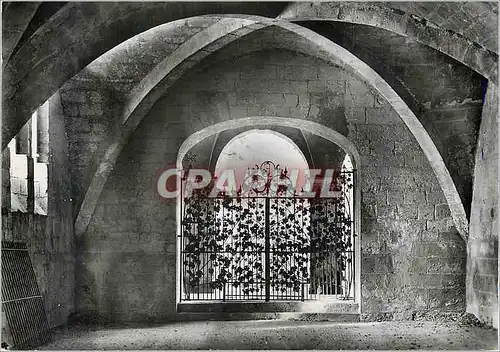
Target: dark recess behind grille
(21,298)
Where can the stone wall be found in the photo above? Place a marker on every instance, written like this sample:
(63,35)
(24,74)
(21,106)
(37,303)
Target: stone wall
(444,94)
(91,108)
(49,238)
(94,98)
(482,249)
(413,259)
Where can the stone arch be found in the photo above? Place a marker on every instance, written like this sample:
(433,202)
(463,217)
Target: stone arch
(460,48)
(305,125)
(24,92)
(325,48)
(147,92)
(14,27)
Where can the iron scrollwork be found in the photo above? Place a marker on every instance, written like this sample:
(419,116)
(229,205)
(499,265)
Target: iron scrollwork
(262,247)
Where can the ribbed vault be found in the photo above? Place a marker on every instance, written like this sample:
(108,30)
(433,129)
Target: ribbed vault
(156,83)
(85,31)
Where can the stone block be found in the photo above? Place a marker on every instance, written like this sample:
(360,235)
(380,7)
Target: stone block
(297,73)
(415,197)
(333,86)
(91,110)
(377,264)
(452,281)
(285,86)
(421,161)
(370,247)
(417,265)
(325,100)
(186,99)
(368,211)
(434,197)
(382,149)
(400,133)
(419,297)
(446,298)
(291,100)
(249,45)
(395,197)
(371,283)
(356,115)
(252,85)
(250,72)
(71,110)
(275,99)
(231,72)
(218,84)
(485,283)
(453,265)
(396,179)
(486,299)
(332,72)
(249,98)
(442,211)
(438,281)
(407,211)
(381,101)
(75,95)
(238,111)
(370,183)
(268,110)
(425,212)
(441,225)
(480,59)
(356,86)
(366,133)
(369,197)
(231,98)
(465,127)
(303,112)
(486,266)
(484,248)
(433,249)
(382,115)
(425,280)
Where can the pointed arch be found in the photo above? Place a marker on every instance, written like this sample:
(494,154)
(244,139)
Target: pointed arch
(150,93)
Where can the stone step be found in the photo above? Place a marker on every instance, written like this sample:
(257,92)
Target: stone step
(338,307)
(290,316)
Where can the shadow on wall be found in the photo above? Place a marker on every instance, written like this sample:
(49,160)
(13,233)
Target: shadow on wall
(333,117)
(92,111)
(85,291)
(485,287)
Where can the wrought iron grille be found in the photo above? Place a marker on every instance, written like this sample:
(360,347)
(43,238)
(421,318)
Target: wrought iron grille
(21,298)
(260,247)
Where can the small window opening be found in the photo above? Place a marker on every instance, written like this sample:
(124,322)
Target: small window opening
(29,157)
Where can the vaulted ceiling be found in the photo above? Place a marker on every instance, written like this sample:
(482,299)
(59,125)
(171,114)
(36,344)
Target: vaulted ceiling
(477,21)
(47,43)
(126,45)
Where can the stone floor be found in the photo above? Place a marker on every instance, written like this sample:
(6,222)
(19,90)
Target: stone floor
(279,335)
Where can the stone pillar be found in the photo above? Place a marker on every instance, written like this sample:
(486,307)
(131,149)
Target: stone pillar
(43,133)
(482,247)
